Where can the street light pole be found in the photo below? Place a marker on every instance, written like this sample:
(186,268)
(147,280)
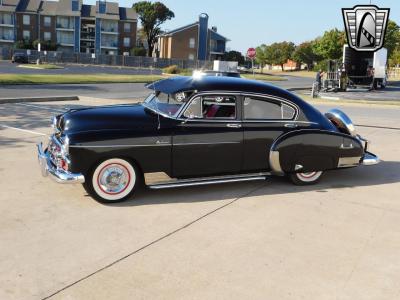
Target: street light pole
(39,39)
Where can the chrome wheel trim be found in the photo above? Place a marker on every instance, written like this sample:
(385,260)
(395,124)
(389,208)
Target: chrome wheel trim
(114,179)
(309,176)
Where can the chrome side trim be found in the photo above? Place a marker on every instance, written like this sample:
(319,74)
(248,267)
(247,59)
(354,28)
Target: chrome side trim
(274,162)
(348,161)
(209,180)
(120,146)
(205,143)
(236,93)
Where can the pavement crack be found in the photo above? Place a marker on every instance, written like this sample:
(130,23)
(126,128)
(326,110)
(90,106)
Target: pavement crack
(258,187)
(363,249)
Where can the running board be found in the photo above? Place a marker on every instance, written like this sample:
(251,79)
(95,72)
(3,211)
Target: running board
(209,180)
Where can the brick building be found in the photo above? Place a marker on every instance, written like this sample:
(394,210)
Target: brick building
(193,41)
(104,28)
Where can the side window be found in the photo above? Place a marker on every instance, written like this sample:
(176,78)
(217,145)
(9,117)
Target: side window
(212,107)
(258,109)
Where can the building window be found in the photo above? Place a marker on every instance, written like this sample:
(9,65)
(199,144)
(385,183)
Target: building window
(6,18)
(127,27)
(26,35)
(26,20)
(127,42)
(65,22)
(47,21)
(109,26)
(192,43)
(65,38)
(47,36)
(191,56)
(6,34)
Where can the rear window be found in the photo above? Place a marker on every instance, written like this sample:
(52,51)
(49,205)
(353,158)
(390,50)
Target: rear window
(262,109)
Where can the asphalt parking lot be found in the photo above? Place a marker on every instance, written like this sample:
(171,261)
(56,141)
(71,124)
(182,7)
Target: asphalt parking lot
(339,239)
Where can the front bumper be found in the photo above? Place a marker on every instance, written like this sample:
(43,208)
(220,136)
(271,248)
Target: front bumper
(370,159)
(48,169)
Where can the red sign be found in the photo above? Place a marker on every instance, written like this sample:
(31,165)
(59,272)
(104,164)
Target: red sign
(251,53)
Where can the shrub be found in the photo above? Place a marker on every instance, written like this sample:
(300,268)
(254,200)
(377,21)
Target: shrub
(138,51)
(171,70)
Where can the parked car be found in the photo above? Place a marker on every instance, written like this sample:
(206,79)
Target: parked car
(20,57)
(196,132)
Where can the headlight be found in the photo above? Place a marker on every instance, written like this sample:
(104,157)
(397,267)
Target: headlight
(54,122)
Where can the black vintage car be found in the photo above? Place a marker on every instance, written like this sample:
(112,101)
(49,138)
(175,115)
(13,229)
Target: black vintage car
(20,57)
(199,131)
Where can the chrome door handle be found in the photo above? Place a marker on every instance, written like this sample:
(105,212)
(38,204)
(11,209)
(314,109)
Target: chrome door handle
(233,125)
(290,125)
(342,146)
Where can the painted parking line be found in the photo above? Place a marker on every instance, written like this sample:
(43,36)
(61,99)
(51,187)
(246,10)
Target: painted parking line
(24,130)
(43,107)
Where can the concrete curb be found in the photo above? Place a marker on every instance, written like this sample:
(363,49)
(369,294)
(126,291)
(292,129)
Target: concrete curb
(38,99)
(299,89)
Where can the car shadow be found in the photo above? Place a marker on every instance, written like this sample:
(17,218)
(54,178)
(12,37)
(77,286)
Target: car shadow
(387,172)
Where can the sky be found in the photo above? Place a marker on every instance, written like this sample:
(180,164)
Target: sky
(252,23)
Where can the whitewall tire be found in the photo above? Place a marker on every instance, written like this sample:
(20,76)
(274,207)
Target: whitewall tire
(113,180)
(306,178)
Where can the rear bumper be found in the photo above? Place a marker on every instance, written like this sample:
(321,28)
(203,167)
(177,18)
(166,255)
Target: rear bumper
(49,170)
(370,159)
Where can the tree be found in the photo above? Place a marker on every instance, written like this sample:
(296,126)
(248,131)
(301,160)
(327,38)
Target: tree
(234,56)
(305,54)
(279,53)
(394,60)
(261,57)
(330,45)
(392,37)
(152,15)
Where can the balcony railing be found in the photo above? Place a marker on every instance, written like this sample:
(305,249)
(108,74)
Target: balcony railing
(7,38)
(111,30)
(109,45)
(64,27)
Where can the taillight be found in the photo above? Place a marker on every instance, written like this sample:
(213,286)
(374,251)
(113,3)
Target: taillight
(64,165)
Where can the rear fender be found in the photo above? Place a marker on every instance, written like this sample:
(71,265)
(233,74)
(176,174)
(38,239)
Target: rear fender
(314,150)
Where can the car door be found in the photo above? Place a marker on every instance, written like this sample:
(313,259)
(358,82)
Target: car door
(264,120)
(209,138)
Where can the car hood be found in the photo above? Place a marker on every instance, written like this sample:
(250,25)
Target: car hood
(115,117)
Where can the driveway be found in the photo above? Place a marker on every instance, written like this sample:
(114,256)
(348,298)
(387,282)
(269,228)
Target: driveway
(339,239)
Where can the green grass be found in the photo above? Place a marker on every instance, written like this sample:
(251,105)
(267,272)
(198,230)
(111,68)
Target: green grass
(264,77)
(76,78)
(42,67)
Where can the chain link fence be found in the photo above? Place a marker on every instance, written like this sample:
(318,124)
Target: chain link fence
(58,57)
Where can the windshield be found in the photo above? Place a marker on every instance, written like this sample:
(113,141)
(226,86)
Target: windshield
(166,104)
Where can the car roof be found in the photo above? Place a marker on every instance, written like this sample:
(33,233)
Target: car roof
(219,83)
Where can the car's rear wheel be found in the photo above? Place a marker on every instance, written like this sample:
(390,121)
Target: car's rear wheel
(112,180)
(305,178)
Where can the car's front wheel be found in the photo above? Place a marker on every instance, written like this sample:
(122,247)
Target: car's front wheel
(112,180)
(305,178)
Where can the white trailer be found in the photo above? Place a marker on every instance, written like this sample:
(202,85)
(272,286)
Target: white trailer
(226,66)
(365,68)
